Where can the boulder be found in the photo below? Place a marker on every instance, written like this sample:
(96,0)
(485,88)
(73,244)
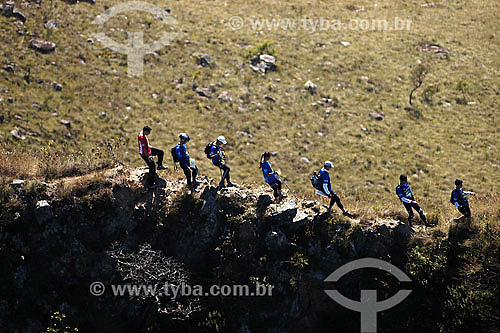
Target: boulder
(19,16)
(311,87)
(377,115)
(205,60)
(202,93)
(16,184)
(263,63)
(16,134)
(284,213)
(56,86)
(270,99)
(224,97)
(43,212)
(66,123)
(42,46)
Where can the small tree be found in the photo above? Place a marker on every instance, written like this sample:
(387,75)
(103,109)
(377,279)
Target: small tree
(417,78)
(150,268)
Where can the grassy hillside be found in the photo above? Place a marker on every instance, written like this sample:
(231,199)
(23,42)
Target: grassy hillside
(452,129)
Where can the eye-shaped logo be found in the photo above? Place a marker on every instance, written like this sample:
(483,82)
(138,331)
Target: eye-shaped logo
(368,305)
(135,49)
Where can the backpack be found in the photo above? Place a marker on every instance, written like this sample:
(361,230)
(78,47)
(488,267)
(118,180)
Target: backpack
(316,180)
(173,151)
(451,198)
(208,149)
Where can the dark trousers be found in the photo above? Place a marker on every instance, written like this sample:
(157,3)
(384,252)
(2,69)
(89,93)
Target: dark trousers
(409,208)
(464,210)
(225,175)
(276,186)
(334,199)
(190,173)
(151,164)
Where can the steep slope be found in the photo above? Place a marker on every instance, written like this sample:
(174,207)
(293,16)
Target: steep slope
(57,243)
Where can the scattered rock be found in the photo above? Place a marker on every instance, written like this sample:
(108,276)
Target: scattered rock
(2,118)
(270,99)
(225,97)
(8,9)
(327,102)
(284,213)
(10,67)
(311,87)
(202,93)
(57,86)
(17,135)
(19,16)
(66,123)
(429,5)
(274,153)
(168,10)
(434,48)
(10,100)
(19,117)
(42,46)
(377,115)
(18,183)
(43,212)
(51,24)
(102,114)
(263,63)
(36,106)
(242,133)
(205,60)
(305,160)
(345,44)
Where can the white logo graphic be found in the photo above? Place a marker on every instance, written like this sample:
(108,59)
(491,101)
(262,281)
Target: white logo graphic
(135,49)
(368,305)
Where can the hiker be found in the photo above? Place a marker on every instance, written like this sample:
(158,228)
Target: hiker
(271,177)
(459,198)
(216,154)
(147,152)
(325,189)
(186,163)
(405,194)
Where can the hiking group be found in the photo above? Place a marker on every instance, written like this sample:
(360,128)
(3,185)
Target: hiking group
(320,180)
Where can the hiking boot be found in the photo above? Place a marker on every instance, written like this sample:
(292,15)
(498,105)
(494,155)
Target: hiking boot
(229,184)
(346,213)
(162,167)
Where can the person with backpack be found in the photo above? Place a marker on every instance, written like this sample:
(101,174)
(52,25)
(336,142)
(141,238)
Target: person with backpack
(405,194)
(270,176)
(187,164)
(324,188)
(147,152)
(215,152)
(459,198)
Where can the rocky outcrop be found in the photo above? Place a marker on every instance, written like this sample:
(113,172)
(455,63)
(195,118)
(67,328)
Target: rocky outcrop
(233,236)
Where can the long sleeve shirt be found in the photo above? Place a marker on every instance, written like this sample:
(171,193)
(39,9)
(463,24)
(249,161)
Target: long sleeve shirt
(459,197)
(182,155)
(326,185)
(268,172)
(404,193)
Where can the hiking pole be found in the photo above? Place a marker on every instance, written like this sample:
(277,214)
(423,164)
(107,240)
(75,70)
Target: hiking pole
(286,184)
